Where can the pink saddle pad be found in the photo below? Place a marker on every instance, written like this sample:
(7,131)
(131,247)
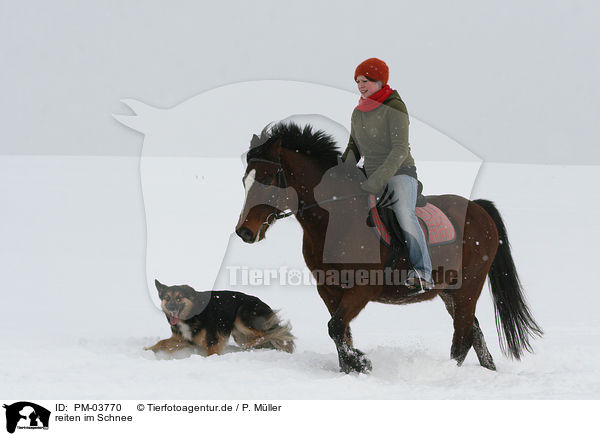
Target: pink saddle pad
(435,224)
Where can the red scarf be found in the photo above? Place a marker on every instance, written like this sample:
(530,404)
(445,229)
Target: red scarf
(374,101)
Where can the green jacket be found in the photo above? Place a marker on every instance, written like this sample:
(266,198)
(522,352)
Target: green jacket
(381,136)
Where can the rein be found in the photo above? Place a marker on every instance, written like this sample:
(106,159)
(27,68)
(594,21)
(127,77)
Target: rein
(303,207)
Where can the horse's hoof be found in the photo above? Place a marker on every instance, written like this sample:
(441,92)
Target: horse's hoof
(489,365)
(356,362)
(365,365)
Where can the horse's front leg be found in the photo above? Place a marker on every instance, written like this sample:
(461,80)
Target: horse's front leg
(350,358)
(332,298)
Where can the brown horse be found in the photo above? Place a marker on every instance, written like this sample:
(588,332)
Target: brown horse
(287,166)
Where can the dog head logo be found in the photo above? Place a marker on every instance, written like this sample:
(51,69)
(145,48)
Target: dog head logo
(26,415)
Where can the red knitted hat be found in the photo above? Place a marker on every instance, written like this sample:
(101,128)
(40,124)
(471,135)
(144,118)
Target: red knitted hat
(373,68)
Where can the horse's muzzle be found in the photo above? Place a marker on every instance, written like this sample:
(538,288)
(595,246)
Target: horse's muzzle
(245,234)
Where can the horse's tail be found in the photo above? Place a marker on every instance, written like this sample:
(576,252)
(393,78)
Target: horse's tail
(514,321)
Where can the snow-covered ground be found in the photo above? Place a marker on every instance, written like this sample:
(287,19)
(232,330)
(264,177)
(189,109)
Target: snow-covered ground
(76,312)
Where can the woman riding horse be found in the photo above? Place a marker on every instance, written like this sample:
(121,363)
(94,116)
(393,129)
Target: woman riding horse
(296,169)
(379,133)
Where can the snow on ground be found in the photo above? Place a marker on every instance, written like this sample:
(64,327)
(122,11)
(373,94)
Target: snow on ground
(77,314)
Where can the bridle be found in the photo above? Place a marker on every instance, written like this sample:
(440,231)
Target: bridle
(282,183)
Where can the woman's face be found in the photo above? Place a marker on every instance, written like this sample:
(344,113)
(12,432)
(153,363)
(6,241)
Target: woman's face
(366,87)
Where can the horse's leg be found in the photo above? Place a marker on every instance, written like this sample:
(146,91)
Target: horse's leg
(350,358)
(447,299)
(332,301)
(483,354)
(464,317)
(462,311)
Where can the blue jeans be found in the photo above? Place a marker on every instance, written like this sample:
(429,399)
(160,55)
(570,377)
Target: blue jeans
(405,191)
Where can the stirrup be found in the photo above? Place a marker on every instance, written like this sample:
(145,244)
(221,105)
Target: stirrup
(417,286)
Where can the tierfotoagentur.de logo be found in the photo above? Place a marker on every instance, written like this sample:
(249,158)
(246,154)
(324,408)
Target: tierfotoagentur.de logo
(26,416)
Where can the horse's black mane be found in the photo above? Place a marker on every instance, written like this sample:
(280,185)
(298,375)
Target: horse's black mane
(317,144)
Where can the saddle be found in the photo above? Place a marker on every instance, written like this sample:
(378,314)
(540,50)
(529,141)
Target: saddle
(436,226)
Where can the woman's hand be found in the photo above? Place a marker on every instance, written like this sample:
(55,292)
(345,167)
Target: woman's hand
(373,185)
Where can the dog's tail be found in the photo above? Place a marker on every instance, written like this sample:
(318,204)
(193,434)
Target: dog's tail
(257,326)
(278,335)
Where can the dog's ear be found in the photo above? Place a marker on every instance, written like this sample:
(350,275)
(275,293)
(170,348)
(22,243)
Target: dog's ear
(189,292)
(160,288)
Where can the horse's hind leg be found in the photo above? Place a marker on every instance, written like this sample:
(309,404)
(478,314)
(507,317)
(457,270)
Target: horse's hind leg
(463,339)
(483,354)
(463,315)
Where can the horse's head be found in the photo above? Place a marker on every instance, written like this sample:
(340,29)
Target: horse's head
(267,192)
(284,165)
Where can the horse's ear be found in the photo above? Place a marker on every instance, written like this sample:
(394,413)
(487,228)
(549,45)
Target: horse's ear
(255,141)
(277,145)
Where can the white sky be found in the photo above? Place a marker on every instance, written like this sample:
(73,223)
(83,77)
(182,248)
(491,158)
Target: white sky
(511,81)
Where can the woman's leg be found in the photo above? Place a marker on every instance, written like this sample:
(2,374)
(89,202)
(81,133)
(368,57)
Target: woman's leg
(405,191)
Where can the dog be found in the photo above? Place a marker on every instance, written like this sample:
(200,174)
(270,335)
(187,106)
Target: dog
(208,319)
